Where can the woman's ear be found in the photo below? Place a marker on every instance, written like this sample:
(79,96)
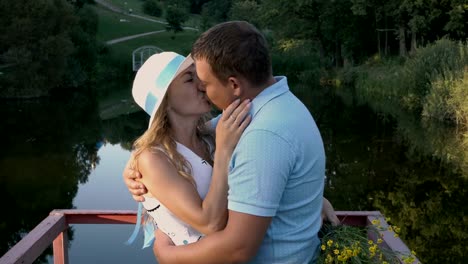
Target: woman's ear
(235,84)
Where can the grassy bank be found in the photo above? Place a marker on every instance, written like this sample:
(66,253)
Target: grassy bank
(113,25)
(135,5)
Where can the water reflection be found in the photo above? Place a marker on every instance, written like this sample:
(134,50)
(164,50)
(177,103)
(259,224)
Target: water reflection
(414,173)
(51,147)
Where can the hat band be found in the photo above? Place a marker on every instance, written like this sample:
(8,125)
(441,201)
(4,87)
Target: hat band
(162,82)
(150,102)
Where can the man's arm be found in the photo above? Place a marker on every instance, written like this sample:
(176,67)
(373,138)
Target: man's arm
(328,213)
(237,243)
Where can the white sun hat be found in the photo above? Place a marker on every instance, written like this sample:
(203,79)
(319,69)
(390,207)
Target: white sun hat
(154,77)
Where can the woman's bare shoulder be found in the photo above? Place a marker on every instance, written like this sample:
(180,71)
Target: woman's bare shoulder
(154,159)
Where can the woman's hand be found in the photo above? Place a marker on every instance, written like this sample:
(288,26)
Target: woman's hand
(234,120)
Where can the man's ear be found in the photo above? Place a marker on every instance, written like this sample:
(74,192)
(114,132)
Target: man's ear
(235,84)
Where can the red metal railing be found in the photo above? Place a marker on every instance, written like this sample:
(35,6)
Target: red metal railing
(53,230)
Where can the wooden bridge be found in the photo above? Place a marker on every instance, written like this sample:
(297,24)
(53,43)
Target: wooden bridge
(53,230)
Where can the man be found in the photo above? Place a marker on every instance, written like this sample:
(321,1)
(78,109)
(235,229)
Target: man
(276,175)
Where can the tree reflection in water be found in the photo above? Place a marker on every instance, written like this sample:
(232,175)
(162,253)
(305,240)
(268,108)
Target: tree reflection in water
(49,147)
(414,173)
(372,164)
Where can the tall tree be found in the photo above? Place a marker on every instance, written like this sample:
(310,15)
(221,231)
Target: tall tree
(45,44)
(457,25)
(175,17)
(215,11)
(247,10)
(35,39)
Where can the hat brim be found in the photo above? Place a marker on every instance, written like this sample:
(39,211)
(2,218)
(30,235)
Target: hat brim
(187,62)
(183,66)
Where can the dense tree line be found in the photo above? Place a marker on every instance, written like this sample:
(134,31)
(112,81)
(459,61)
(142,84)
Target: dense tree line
(348,30)
(44,45)
(47,44)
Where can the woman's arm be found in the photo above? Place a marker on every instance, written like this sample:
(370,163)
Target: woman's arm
(179,195)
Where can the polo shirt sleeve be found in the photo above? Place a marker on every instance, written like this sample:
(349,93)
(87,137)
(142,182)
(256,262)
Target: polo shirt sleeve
(259,171)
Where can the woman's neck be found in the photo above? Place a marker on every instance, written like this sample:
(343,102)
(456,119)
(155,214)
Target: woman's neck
(185,132)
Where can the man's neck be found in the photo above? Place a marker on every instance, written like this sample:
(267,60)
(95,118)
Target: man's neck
(252,91)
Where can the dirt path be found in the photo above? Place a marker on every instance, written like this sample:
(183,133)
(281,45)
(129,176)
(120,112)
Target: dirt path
(117,40)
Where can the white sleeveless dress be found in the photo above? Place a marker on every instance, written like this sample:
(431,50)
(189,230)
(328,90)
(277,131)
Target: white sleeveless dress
(180,232)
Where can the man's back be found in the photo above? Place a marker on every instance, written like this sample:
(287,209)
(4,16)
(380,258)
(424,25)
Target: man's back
(277,170)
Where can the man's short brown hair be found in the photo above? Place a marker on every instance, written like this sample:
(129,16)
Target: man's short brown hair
(235,48)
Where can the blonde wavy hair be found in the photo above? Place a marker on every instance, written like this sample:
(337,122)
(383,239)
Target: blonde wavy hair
(159,136)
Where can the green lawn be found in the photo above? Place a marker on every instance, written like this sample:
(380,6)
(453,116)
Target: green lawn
(110,27)
(182,43)
(135,5)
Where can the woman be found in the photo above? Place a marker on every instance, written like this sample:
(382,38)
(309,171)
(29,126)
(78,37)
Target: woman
(186,191)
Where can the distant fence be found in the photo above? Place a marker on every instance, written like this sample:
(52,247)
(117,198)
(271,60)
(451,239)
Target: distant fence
(140,55)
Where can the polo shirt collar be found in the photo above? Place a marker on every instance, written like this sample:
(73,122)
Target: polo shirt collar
(278,88)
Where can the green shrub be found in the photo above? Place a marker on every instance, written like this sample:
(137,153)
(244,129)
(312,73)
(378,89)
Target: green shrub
(438,62)
(152,8)
(296,60)
(448,100)
(175,17)
(432,84)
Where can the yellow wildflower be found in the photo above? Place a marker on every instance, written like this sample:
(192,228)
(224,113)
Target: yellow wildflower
(376,222)
(330,243)
(396,229)
(379,241)
(408,260)
(336,251)
(370,242)
(412,252)
(324,247)
(396,235)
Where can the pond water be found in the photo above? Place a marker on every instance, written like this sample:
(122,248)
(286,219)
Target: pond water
(60,154)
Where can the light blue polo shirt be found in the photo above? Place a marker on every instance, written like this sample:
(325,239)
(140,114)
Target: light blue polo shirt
(277,170)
